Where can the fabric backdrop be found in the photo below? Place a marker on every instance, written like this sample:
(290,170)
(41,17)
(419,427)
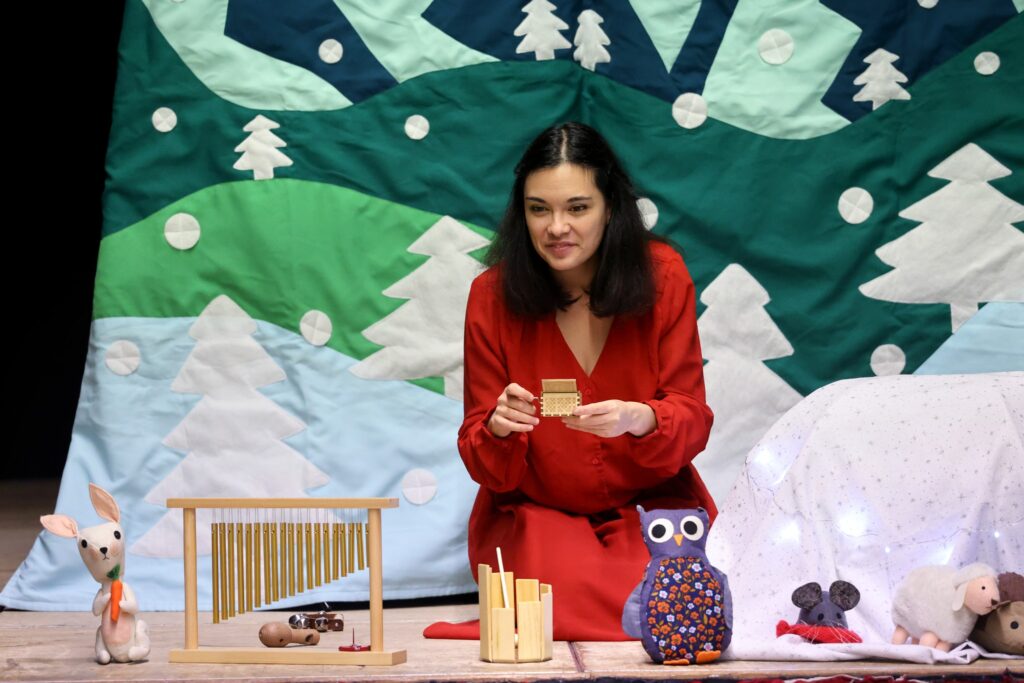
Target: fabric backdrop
(299,194)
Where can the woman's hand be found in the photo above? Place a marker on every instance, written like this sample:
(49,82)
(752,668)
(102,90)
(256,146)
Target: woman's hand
(613,418)
(514,412)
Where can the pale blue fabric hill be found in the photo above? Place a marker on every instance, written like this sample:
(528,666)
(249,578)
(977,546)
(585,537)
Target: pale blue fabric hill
(116,443)
(991,341)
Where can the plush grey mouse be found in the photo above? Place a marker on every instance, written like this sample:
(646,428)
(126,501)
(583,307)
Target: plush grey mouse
(822,616)
(825,608)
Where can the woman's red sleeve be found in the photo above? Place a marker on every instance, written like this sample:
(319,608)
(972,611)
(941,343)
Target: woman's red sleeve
(683,418)
(495,463)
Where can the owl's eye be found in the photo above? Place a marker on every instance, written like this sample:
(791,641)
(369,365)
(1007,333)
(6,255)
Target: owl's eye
(692,527)
(660,530)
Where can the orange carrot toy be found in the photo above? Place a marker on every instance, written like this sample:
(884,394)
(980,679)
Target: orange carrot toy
(115,592)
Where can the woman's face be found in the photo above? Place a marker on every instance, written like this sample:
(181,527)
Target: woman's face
(566,215)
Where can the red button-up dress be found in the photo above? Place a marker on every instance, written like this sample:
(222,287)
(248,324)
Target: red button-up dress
(560,503)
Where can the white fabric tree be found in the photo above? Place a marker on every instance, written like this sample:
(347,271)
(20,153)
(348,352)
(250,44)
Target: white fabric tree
(423,336)
(234,437)
(966,250)
(259,151)
(881,80)
(736,335)
(541,30)
(590,41)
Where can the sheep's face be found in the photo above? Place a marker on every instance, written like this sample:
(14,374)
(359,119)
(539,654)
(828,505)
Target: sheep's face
(982,594)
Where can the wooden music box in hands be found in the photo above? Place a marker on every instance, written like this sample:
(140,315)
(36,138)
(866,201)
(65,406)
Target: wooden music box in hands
(559,397)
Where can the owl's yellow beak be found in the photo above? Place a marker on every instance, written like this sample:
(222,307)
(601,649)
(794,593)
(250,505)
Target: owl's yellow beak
(679,539)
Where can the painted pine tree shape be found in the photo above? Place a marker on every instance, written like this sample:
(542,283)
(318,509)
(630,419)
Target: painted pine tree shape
(590,41)
(541,30)
(260,152)
(423,336)
(234,437)
(881,80)
(965,250)
(736,336)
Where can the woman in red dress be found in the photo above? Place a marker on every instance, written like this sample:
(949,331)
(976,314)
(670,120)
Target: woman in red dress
(578,288)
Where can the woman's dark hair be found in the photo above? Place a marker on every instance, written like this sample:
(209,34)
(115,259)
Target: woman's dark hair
(623,282)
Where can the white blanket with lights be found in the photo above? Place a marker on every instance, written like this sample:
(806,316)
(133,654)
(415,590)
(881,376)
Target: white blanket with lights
(863,481)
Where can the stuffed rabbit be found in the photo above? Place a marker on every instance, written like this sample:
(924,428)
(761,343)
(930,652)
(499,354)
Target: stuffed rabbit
(121,636)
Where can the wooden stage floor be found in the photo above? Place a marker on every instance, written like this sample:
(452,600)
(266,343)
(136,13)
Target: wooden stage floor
(58,646)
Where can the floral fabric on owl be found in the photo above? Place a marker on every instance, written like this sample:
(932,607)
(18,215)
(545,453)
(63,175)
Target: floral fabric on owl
(685,613)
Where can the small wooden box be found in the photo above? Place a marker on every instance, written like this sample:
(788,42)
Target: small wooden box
(559,397)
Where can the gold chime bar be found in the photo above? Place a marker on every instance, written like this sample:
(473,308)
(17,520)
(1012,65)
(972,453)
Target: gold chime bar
(258,558)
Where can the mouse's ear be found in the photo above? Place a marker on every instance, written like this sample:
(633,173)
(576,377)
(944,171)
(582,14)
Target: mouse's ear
(844,594)
(807,595)
(104,503)
(62,525)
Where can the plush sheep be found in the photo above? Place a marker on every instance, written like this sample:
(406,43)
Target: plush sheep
(937,606)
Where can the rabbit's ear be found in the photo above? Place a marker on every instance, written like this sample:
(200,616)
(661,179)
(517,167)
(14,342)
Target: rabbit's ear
(807,595)
(960,596)
(104,504)
(62,525)
(844,594)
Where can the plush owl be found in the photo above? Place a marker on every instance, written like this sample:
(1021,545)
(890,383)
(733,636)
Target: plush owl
(682,610)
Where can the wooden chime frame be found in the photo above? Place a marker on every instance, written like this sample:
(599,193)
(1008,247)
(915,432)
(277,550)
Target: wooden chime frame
(312,539)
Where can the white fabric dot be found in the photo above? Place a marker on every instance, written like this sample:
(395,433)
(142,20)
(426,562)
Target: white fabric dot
(419,486)
(648,212)
(888,359)
(417,127)
(331,51)
(316,327)
(986,63)
(856,205)
(927,4)
(123,357)
(164,119)
(775,46)
(182,231)
(690,110)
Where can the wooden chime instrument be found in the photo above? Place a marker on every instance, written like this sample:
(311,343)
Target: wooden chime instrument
(259,555)
(266,549)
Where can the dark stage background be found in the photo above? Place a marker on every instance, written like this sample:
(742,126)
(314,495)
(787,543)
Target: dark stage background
(60,138)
